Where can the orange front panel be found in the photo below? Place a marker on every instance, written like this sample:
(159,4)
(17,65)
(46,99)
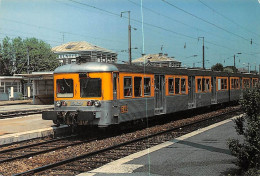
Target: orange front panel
(106,85)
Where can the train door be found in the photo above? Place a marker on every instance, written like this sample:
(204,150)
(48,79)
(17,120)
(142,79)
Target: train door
(213,91)
(115,86)
(115,99)
(191,101)
(159,93)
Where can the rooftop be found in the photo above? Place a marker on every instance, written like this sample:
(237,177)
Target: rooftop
(155,58)
(78,46)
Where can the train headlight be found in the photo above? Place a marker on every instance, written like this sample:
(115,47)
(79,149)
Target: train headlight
(58,103)
(97,103)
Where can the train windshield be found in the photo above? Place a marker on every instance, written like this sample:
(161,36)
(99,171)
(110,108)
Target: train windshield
(64,88)
(90,87)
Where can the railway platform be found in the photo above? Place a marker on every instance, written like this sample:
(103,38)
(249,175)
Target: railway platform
(25,127)
(201,153)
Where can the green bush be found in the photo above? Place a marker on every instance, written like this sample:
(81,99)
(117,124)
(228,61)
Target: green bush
(248,151)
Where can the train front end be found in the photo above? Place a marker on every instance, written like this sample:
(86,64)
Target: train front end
(83,95)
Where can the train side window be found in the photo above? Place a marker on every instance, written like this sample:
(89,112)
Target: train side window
(207,85)
(237,84)
(232,83)
(138,86)
(183,86)
(254,82)
(177,85)
(127,86)
(147,86)
(219,84)
(199,84)
(203,84)
(90,87)
(171,85)
(246,83)
(223,84)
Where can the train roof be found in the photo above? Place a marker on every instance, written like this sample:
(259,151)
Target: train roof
(107,67)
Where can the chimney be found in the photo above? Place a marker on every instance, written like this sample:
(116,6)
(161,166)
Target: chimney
(160,54)
(166,54)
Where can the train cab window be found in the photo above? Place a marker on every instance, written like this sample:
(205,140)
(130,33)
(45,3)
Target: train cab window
(138,86)
(90,87)
(147,86)
(128,86)
(171,85)
(183,86)
(177,85)
(64,88)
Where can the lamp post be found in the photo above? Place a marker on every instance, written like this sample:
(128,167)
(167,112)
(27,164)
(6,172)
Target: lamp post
(203,53)
(129,37)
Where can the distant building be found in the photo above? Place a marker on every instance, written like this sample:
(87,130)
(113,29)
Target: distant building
(71,51)
(158,60)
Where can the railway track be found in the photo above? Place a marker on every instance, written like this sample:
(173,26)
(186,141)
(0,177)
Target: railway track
(30,150)
(97,153)
(4,115)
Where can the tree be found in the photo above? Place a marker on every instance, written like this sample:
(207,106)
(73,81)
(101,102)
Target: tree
(217,67)
(230,69)
(15,53)
(248,152)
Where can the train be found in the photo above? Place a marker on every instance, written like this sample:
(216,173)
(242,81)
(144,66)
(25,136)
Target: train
(106,94)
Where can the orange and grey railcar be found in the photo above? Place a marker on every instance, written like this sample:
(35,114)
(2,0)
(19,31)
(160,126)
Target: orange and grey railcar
(103,94)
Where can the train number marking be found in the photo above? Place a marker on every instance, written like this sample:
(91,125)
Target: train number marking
(124,109)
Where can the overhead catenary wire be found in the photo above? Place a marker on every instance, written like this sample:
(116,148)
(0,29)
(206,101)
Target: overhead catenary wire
(145,23)
(230,20)
(206,21)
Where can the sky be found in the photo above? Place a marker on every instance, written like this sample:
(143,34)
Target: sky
(162,26)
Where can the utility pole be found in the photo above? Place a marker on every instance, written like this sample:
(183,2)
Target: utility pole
(129,37)
(203,54)
(28,60)
(235,58)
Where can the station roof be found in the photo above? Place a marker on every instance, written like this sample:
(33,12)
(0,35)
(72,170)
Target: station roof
(78,47)
(37,75)
(11,78)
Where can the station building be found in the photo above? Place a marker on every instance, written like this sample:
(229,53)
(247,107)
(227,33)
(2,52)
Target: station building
(69,53)
(157,60)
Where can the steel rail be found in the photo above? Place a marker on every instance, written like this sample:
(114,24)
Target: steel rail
(45,151)
(36,144)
